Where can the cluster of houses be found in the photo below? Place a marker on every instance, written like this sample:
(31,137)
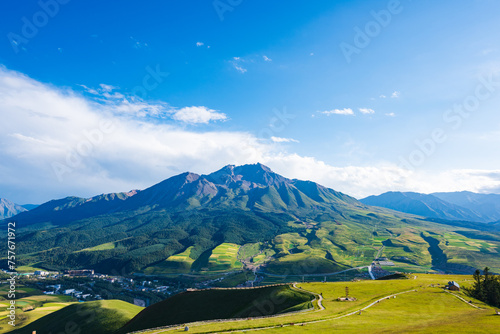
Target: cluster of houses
(127,284)
(56,289)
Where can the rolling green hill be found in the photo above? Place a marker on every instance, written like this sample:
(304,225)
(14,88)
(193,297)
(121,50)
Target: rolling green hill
(182,225)
(220,304)
(31,305)
(96,317)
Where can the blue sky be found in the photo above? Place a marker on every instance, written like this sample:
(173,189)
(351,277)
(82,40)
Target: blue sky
(361,96)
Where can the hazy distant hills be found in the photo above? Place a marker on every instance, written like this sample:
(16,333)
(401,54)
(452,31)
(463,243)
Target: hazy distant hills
(215,222)
(9,209)
(63,211)
(452,206)
(486,205)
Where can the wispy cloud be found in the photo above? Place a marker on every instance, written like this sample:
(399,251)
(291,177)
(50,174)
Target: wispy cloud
(118,103)
(366,111)
(240,68)
(107,88)
(199,44)
(283,140)
(345,111)
(395,94)
(236,62)
(390,114)
(266,58)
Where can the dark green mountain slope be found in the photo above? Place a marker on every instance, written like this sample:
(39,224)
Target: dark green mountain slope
(219,304)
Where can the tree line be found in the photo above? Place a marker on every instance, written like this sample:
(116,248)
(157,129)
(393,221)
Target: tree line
(486,287)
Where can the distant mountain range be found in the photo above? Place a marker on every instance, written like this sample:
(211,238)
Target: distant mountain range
(463,205)
(240,216)
(486,205)
(9,209)
(248,187)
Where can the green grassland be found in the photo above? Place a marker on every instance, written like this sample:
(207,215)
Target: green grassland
(96,317)
(422,306)
(30,308)
(106,246)
(27,269)
(178,263)
(224,257)
(250,250)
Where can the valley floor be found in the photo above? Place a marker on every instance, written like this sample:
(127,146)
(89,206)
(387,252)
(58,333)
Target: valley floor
(421,305)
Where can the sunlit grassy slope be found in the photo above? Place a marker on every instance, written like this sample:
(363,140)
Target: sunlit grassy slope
(421,307)
(96,317)
(34,305)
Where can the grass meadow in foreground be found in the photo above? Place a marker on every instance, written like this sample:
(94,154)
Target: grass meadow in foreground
(429,309)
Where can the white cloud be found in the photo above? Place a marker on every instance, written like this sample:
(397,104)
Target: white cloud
(107,88)
(382,96)
(283,140)
(57,143)
(240,68)
(345,111)
(395,94)
(391,114)
(366,111)
(200,44)
(236,62)
(266,58)
(195,115)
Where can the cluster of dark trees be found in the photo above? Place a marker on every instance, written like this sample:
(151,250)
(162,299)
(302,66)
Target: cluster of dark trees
(486,287)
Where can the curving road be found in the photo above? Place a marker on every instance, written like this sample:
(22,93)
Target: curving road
(370,272)
(319,297)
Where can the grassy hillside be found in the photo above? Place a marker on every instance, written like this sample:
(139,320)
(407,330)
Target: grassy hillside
(31,305)
(96,317)
(224,257)
(178,263)
(421,306)
(219,304)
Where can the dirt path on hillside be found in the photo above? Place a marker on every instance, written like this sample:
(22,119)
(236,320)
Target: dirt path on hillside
(319,297)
